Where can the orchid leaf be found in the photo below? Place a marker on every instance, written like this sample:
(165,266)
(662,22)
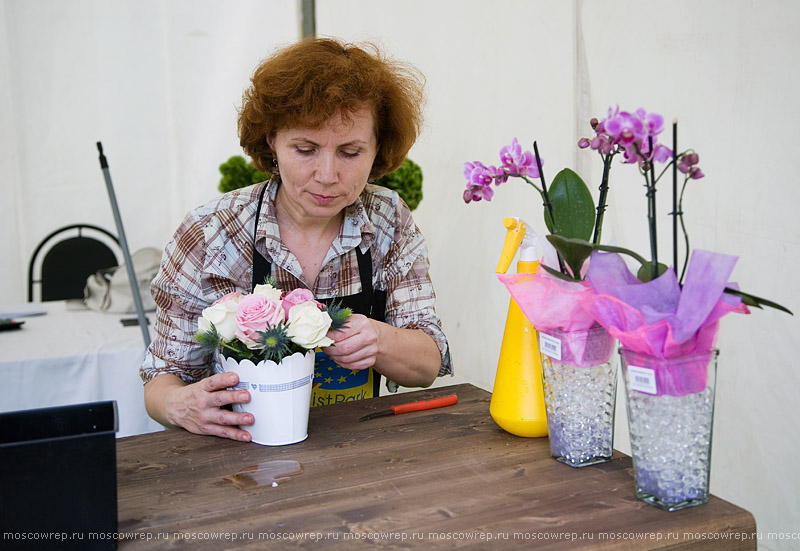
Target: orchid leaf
(576,251)
(573,207)
(645,272)
(621,250)
(573,251)
(557,274)
(756,302)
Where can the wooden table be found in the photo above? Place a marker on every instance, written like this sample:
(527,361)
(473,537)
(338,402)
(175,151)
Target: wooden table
(444,478)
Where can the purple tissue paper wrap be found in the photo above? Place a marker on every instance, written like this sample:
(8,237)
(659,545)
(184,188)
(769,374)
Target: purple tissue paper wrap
(658,319)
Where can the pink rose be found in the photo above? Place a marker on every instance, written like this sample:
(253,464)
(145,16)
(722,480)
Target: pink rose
(298,296)
(233,295)
(256,313)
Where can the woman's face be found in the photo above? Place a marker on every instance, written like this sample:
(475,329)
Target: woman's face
(324,170)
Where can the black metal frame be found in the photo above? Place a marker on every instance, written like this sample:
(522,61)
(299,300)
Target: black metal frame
(43,242)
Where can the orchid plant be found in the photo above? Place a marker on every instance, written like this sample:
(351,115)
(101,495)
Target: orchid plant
(575,225)
(634,135)
(268,324)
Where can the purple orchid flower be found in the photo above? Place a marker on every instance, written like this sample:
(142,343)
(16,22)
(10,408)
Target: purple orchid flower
(653,121)
(476,193)
(632,133)
(479,181)
(625,129)
(516,162)
(478,174)
(687,166)
(661,153)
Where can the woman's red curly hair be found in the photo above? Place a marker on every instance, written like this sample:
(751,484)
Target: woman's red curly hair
(308,82)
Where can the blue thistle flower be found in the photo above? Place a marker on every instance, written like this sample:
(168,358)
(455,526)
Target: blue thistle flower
(274,343)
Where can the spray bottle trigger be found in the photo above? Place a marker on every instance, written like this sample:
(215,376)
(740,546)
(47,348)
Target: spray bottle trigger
(514,237)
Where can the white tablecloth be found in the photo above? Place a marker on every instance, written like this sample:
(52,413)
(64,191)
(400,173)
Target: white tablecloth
(70,356)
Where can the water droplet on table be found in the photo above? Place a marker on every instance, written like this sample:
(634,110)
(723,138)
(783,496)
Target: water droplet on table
(269,473)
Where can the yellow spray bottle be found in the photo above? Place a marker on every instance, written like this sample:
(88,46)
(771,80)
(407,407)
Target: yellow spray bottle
(517,398)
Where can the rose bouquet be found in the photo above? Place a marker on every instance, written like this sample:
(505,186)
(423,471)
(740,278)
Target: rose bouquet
(268,339)
(268,324)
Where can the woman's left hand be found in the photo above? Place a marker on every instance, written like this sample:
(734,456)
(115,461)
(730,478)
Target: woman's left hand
(356,344)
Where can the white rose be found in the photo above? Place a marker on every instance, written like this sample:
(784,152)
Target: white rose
(268,291)
(308,325)
(223,316)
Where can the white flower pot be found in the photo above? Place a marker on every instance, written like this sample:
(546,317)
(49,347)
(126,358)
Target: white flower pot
(280,397)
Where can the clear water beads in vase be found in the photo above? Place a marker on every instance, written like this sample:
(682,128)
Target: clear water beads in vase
(670,419)
(580,384)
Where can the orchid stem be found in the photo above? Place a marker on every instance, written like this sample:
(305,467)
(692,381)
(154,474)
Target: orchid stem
(683,229)
(675,196)
(601,201)
(651,212)
(529,181)
(548,205)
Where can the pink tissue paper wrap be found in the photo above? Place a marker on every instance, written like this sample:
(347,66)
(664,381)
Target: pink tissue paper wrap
(554,307)
(658,320)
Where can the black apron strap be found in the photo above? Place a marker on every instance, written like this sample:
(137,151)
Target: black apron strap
(368,302)
(375,300)
(262,268)
(374,303)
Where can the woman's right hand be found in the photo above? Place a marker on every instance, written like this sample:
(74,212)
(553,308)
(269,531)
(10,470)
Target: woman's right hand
(196,406)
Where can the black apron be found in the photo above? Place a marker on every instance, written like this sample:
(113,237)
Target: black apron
(333,383)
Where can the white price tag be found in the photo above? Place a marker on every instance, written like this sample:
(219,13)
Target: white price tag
(550,346)
(642,379)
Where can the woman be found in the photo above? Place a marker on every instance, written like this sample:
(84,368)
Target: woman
(324,118)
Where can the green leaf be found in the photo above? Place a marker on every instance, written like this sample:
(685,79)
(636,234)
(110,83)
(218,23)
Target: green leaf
(573,207)
(573,251)
(756,302)
(576,251)
(237,173)
(622,250)
(406,181)
(645,272)
(559,275)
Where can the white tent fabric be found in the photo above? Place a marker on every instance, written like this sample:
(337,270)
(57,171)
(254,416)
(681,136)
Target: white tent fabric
(158,81)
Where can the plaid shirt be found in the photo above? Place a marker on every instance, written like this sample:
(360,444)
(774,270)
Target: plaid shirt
(211,255)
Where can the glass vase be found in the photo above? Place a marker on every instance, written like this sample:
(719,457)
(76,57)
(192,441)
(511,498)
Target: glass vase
(670,419)
(579,377)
